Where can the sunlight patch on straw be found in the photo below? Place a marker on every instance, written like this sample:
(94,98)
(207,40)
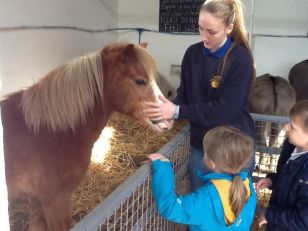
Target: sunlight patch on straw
(102,145)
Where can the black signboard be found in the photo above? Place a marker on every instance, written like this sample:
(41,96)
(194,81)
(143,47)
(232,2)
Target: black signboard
(179,15)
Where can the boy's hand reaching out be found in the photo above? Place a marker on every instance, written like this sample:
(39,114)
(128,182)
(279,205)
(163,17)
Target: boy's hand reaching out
(263,183)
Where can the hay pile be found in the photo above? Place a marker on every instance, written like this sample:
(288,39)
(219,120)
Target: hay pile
(130,144)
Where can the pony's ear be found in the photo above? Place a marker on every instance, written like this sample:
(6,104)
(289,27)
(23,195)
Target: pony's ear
(128,52)
(144,44)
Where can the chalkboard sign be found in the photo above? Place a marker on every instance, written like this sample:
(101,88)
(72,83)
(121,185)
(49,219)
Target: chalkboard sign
(179,15)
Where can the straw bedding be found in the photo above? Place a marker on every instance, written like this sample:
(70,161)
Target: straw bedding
(129,146)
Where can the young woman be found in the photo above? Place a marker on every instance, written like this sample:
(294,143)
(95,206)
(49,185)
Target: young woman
(216,78)
(227,199)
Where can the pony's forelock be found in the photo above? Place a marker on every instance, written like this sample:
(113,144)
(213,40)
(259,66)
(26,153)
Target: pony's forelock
(147,60)
(62,102)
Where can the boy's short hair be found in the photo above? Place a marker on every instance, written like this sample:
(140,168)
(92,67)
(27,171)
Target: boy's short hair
(301,109)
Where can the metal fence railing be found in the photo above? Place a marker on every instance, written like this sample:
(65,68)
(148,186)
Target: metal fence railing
(270,136)
(131,207)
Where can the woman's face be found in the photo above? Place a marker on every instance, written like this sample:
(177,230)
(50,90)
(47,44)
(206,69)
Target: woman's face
(213,30)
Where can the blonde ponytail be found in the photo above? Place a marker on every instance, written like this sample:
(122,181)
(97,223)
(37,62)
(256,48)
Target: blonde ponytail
(238,33)
(238,193)
(230,150)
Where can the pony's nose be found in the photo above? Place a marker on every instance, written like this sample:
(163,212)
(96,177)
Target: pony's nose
(155,121)
(163,124)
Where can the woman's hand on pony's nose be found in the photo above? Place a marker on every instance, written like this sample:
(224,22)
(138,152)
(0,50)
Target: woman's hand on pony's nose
(160,111)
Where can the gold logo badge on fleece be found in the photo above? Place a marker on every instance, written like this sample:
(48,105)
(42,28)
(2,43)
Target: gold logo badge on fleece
(215,81)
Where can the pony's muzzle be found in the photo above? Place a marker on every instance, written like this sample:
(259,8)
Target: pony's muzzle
(162,124)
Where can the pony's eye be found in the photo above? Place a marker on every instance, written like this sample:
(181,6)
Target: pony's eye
(140,82)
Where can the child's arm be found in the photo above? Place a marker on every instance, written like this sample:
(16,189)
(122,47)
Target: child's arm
(185,209)
(263,183)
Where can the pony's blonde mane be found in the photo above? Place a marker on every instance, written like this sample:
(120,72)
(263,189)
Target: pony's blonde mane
(62,99)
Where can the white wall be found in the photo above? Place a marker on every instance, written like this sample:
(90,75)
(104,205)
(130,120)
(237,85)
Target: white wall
(272,55)
(276,55)
(25,55)
(281,17)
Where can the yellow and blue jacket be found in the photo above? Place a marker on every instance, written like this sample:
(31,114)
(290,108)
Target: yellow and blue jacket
(208,208)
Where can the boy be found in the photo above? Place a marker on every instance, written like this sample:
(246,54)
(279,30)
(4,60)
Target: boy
(288,206)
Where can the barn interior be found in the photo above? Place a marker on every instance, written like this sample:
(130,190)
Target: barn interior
(38,36)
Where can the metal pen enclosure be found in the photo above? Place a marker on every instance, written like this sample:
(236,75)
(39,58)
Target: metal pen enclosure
(131,206)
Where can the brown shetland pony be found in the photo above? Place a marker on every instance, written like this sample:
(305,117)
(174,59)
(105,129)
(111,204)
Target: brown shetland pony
(49,128)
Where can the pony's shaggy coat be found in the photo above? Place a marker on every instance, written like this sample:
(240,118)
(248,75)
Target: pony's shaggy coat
(49,128)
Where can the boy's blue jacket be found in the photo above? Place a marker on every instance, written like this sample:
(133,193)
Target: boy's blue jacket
(202,209)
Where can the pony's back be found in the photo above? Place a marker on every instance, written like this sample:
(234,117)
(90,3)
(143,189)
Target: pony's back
(271,95)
